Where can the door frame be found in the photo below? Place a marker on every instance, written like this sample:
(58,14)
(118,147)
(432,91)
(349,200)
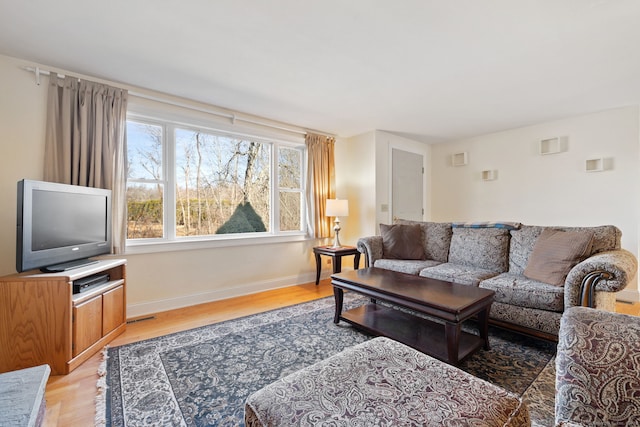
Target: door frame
(424,154)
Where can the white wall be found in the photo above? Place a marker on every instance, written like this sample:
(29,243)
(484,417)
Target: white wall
(356,182)
(166,280)
(363,165)
(551,189)
(156,281)
(22,126)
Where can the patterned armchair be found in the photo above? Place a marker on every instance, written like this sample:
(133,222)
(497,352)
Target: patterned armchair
(598,369)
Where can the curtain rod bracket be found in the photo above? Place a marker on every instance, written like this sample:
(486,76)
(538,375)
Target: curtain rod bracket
(38,76)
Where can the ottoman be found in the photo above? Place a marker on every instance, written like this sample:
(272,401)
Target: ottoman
(382,382)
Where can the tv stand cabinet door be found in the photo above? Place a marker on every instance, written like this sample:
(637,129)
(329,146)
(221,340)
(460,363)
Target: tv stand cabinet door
(35,320)
(87,324)
(113,311)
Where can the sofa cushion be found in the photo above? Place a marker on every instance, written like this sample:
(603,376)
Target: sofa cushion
(485,248)
(462,274)
(522,242)
(436,238)
(605,238)
(405,266)
(555,253)
(517,290)
(402,241)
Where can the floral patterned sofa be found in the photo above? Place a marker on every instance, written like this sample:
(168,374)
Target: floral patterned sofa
(537,272)
(598,369)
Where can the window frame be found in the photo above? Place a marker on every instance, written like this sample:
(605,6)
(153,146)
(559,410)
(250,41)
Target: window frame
(279,189)
(169,241)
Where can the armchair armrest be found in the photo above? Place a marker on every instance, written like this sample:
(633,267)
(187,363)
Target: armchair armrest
(608,271)
(597,371)
(371,247)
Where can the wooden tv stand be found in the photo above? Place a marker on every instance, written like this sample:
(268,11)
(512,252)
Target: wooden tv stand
(43,321)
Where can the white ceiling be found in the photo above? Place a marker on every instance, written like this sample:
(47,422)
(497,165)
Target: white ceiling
(434,70)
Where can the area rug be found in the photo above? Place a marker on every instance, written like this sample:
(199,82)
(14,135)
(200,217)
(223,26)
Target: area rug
(202,377)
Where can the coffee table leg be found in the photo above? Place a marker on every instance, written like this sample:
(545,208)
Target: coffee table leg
(339,296)
(452,334)
(483,326)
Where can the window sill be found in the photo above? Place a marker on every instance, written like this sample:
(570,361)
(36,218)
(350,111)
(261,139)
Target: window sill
(141,247)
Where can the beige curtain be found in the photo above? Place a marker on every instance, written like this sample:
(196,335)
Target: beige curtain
(321,182)
(86,143)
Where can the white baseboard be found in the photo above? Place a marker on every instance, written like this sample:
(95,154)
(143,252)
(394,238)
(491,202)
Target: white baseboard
(630,295)
(151,307)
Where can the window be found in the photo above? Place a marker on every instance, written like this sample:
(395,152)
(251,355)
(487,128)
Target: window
(290,188)
(188,182)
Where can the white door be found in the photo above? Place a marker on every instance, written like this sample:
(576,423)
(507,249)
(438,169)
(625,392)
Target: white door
(407,178)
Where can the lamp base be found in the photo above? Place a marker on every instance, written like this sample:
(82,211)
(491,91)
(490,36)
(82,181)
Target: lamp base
(336,228)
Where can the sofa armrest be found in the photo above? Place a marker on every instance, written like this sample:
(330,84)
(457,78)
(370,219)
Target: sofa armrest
(371,247)
(609,271)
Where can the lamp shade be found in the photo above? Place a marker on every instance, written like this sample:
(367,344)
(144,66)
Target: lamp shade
(337,207)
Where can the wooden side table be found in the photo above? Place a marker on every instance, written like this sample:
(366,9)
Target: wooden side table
(336,254)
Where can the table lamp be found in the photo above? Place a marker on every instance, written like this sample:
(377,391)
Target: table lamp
(337,208)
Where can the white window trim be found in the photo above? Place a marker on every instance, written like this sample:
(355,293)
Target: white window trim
(156,246)
(169,121)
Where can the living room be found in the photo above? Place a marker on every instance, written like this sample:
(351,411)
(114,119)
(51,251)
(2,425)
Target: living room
(529,188)
(555,189)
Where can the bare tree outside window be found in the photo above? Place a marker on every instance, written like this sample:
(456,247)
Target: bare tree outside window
(222,183)
(145,190)
(217,178)
(290,183)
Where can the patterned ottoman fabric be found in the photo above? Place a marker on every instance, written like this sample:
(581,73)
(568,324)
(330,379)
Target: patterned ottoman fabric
(383,383)
(598,368)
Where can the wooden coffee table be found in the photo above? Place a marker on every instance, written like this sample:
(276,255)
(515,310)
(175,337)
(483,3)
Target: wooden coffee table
(448,304)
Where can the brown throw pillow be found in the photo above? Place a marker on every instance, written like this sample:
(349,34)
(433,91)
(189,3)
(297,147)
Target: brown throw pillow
(555,253)
(400,241)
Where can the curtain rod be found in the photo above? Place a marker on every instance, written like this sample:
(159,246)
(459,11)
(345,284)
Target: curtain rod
(233,116)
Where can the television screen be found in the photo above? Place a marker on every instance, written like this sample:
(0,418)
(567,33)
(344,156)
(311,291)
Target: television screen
(66,219)
(61,226)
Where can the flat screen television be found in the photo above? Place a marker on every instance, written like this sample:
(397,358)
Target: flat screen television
(61,226)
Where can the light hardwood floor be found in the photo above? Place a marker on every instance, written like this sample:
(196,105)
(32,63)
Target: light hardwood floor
(71,398)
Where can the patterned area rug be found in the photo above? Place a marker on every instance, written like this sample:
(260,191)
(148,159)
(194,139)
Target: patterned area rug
(203,376)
